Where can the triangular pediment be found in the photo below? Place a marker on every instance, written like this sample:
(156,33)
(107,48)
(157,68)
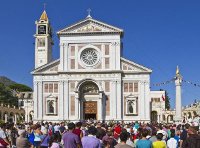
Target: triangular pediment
(89,25)
(129,66)
(51,67)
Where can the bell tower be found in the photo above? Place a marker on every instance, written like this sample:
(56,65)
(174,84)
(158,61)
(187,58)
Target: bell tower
(43,41)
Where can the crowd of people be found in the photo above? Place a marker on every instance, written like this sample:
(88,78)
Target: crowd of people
(94,134)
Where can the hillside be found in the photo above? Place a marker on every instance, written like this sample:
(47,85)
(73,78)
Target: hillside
(6,81)
(13,85)
(6,90)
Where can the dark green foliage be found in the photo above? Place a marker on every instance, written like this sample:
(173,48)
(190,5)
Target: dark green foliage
(167,101)
(6,81)
(20,87)
(6,96)
(7,87)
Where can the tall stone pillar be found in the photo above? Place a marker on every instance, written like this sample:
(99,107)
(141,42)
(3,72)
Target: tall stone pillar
(6,118)
(178,82)
(35,99)
(40,101)
(15,120)
(66,100)
(60,100)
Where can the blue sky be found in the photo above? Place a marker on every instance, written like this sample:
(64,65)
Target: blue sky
(157,34)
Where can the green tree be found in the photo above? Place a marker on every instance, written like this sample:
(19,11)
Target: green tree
(20,87)
(167,101)
(6,96)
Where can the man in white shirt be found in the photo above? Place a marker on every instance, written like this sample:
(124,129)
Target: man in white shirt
(165,135)
(172,143)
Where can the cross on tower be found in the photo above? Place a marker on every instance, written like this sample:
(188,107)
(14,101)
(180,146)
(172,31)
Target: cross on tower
(45,6)
(89,11)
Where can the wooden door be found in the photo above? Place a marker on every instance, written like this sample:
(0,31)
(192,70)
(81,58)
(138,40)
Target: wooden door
(90,108)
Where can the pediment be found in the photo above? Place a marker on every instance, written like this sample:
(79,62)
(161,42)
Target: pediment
(49,68)
(129,66)
(51,96)
(90,25)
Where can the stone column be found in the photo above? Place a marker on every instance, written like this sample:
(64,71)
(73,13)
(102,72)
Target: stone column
(119,100)
(77,107)
(26,114)
(141,102)
(6,118)
(15,116)
(66,100)
(66,56)
(113,99)
(40,101)
(100,111)
(158,118)
(35,99)
(178,81)
(60,100)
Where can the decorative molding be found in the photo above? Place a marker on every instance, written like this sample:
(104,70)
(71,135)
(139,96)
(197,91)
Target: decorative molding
(115,43)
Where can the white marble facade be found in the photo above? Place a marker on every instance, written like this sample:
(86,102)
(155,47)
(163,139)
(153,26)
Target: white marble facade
(90,79)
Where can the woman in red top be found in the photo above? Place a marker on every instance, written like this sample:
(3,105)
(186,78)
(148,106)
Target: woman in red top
(78,130)
(117,131)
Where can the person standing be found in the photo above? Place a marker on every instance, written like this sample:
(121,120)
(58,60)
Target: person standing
(91,141)
(123,138)
(159,143)
(78,130)
(70,139)
(3,138)
(172,142)
(183,135)
(193,141)
(144,142)
(21,141)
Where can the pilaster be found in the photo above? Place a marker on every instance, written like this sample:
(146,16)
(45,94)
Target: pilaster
(114,100)
(66,57)
(60,100)
(119,100)
(40,101)
(61,65)
(77,107)
(66,100)
(35,99)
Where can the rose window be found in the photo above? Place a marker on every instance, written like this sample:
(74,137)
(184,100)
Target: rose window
(89,57)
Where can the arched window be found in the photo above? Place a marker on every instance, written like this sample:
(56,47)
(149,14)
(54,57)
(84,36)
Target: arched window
(51,105)
(131,105)
(89,87)
(163,117)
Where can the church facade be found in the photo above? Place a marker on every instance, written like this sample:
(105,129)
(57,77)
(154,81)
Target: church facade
(91,79)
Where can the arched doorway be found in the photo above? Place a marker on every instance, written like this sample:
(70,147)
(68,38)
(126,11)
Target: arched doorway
(89,100)
(170,119)
(154,116)
(11,117)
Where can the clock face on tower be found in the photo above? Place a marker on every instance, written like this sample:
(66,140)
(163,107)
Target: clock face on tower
(41,29)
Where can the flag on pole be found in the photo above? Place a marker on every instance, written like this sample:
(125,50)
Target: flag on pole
(163,97)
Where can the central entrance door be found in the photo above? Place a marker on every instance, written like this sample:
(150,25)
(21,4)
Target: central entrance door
(90,110)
